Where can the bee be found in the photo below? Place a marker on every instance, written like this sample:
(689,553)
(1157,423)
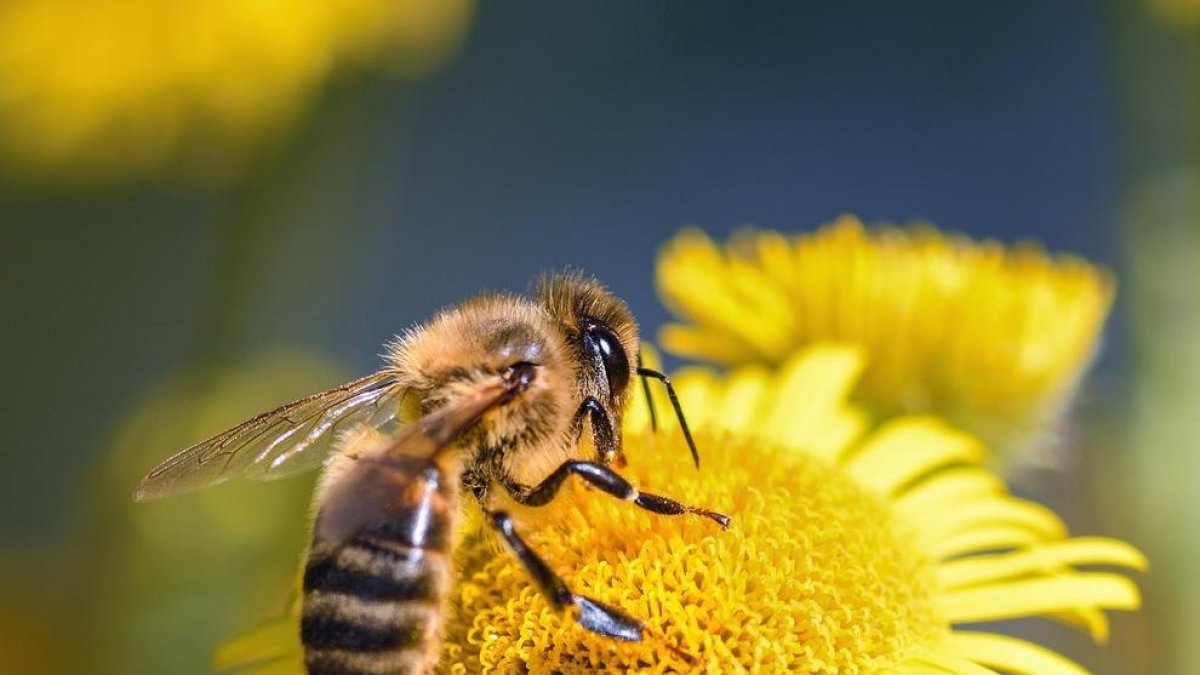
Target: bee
(490,399)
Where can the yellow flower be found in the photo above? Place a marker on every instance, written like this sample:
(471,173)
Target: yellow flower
(993,339)
(1178,13)
(853,550)
(100,87)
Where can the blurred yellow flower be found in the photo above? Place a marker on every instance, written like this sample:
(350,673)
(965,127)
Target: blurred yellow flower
(853,550)
(1180,13)
(993,339)
(94,88)
(147,616)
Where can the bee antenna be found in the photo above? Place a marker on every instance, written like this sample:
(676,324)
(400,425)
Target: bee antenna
(646,391)
(687,434)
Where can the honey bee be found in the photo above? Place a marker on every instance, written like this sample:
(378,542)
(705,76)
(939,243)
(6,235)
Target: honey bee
(491,397)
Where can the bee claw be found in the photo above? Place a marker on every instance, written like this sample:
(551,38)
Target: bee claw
(688,658)
(721,519)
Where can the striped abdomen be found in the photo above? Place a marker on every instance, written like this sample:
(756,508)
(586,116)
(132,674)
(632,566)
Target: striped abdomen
(375,605)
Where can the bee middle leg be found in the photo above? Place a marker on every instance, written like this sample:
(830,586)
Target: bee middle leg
(590,613)
(608,481)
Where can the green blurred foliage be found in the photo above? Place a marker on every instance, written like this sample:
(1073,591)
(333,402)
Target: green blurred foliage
(1148,481)
(154,588)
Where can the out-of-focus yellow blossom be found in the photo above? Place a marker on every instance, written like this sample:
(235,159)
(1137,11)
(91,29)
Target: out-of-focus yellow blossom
(853,550)
(148,614)
(103,88)
(993,339)
(1181,13)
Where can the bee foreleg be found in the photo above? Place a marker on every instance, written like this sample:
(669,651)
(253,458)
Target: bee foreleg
(611,482)
(590,613)
(607,448)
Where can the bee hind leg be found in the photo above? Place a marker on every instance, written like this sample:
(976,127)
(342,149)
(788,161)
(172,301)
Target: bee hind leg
(590,613)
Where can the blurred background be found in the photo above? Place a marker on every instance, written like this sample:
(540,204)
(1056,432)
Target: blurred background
(209,208)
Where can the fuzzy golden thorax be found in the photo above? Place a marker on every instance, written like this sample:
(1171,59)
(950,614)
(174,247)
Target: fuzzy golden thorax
(472,343)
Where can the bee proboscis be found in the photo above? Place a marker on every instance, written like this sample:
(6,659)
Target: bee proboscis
(489,398)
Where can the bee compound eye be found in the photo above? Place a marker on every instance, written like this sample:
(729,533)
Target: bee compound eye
(600,342)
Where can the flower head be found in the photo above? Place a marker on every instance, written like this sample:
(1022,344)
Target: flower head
(993,339)
(854,549)
(121,87)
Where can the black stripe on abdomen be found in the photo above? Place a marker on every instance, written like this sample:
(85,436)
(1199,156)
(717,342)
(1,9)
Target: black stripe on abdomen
(326,632)
(368,570)
(373,607)
(334,662)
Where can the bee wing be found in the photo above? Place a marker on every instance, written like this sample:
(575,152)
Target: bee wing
(380,480)
(292,438)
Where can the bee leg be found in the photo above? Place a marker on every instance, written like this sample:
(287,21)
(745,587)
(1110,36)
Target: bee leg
(590,613)
(608,449)
(611,482)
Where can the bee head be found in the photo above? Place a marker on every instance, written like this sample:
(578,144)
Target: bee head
(600,332)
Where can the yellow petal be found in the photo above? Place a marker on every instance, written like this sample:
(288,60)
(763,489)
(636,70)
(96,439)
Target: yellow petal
(945,489)
(266,642)
(810,400)
(1089,619)
(992,537)
(908,447)
(1039,596)
(1010,654)
(289,665)
(701,345)
(1050,557)
(690,286)
(979,513)
(743,399)
(802,407)
(953,664)
(917,668)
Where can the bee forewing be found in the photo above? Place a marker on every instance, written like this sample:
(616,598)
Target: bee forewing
(371,491)
(290,439)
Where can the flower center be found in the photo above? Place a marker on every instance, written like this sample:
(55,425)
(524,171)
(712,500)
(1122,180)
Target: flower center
(815,575)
